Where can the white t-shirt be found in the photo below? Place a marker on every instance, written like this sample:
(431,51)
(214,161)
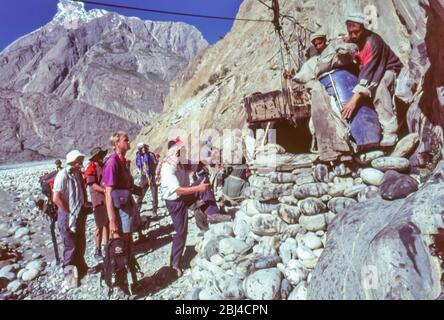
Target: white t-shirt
(171,178)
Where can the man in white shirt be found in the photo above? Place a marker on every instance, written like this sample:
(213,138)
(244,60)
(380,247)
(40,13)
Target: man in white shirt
(69,194)
(178,196)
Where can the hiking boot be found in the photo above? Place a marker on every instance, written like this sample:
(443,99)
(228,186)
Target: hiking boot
(98,254)
(83,270)
(135,288)
(179,271)
(389,141)
(71,277)
(120,294)
(217,217)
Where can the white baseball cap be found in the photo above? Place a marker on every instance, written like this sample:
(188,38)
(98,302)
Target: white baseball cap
(73,155)
(358,17)
(140,145)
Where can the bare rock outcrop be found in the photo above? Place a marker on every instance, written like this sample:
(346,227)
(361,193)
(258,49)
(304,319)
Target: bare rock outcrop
(380,249)
(39,126)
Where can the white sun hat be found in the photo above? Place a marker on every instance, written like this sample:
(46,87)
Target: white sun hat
(73,155)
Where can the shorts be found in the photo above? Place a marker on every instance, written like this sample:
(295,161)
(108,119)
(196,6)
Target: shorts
(126,218)
(101,216)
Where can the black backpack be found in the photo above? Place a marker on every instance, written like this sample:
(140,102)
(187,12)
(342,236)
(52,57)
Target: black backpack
(47,182)
(119,266)
(50,209)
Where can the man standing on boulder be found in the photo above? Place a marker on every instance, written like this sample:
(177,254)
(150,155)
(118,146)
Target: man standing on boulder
(319,42)
(379,67)
(329,129)
(69,194)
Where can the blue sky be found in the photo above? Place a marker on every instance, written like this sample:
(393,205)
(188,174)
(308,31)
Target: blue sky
(19,17)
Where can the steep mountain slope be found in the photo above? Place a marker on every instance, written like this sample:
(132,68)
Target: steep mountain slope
(120,65)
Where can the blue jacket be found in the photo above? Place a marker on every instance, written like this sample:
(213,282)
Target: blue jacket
(150,160)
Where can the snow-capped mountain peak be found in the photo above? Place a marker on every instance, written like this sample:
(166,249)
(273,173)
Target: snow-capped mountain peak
(72,13)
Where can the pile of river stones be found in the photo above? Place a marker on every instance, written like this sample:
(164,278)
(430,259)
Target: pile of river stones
(278,233)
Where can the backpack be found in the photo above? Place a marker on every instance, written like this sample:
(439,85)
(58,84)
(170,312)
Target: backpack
(47,182)
(235,184)
(50,209)
(119,266)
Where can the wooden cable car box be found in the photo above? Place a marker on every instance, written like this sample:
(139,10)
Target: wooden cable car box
(277,105)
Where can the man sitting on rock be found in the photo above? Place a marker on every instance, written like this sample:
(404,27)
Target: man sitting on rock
(69,194)
(305,74)
(329,130)
(379,67)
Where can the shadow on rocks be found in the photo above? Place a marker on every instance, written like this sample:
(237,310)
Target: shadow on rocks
(154,240)
(158,281)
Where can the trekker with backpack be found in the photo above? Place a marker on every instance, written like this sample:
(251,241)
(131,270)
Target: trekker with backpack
(93,178)
(121,210)
(58,164)
(69,194)
(146,163)
(50,210)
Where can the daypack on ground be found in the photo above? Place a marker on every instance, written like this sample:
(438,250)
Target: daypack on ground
(234,184)
(47,182)
(119,266)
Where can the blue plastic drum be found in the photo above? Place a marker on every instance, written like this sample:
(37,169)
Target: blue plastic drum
(364,126)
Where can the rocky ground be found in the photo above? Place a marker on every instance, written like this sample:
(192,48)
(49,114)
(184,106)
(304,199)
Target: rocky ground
(27,263)
(269,250)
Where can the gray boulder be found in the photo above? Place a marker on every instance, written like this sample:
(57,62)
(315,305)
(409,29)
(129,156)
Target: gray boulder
(397,185)
(263,285)
(304,178)
(337,205)
(406,146)
(379,250)
(289,214)
(233,290)
(310,190)
(372,176)
(313,223)
(229,246)
(320,173)
(266,225)
(391,163)
(312,206)
(368,193)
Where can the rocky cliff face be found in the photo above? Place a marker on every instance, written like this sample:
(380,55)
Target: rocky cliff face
(120,65)
(37,126)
